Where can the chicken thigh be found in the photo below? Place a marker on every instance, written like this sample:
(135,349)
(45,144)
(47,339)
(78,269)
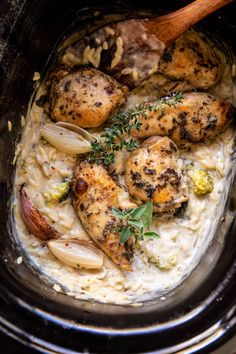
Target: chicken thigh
(86,97)
(192,59)
(95,194)
(196,118)
(153,172)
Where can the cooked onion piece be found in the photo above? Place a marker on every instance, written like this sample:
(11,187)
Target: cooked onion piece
(77,253)
(35,223)
(65,140)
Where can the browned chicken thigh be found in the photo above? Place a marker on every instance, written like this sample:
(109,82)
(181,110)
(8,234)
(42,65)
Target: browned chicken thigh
(197,118)
(192,59)
(86,97)
(153,172)
(95,194)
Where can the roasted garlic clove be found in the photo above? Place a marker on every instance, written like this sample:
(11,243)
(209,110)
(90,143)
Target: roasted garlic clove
(77,253)
(74,128)
(65,140)
(35,223)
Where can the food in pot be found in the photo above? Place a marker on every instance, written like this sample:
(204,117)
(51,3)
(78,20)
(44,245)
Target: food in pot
(118,200)
(34,221)
(195,117)
(190,59)
(123,49)
(76,253)
(66,140)
(95,194)
(154,172)
(202,182)
(86,97)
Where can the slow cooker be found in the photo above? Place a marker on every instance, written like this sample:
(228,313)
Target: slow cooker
(200,314)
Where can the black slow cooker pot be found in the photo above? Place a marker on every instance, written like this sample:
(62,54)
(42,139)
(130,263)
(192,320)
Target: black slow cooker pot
(198,316)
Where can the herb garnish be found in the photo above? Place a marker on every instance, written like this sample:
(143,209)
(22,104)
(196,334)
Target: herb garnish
(137,222)
(104,151)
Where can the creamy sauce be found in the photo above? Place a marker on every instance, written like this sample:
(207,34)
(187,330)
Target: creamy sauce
(159,265)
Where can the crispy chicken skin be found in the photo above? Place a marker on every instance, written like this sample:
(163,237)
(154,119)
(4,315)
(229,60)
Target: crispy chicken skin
(95,193)
(153,172)
(191,58)
(198,118)
(86,97)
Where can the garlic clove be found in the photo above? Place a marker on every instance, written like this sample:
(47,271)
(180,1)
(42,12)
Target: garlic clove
(65,140)
(35,223)
(75,128)
(77,253)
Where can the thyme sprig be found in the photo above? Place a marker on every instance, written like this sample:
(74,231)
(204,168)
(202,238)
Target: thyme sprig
(112,139)
(137,222)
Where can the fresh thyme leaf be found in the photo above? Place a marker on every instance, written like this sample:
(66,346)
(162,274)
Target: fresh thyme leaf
(151,234)
(124,235)
(122,123)
(141,236)
(136,222)
(129,145)
(147,215)
(138,212)
(127,212)
(119,214)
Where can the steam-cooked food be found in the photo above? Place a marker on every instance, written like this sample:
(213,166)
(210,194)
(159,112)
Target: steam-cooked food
(35,223)
(123,49)
(95,195)
(86,97)
(156,86)
(67,137)
(190,58)
(197,118)
(153,172)
(123,212)
(201,181)
(77,253)
(58,193)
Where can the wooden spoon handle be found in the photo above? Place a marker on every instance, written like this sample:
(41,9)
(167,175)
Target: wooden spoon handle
(168,27)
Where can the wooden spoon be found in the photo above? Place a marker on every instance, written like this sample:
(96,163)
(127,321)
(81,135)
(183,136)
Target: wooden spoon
(169,27)
(130,50)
